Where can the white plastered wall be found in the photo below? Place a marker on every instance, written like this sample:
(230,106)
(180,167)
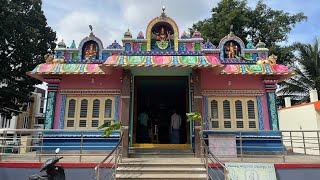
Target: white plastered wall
(298,118)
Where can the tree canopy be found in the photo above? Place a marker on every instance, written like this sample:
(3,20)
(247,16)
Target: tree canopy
(307,68)
(259,23)
(25,38)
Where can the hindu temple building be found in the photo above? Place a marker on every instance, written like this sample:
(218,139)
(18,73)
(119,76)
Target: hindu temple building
(159,72)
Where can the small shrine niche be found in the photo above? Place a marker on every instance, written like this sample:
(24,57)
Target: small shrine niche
(162,37)
(90,50)
(231,50)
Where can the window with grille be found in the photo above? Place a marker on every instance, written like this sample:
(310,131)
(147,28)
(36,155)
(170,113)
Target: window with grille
(25,122)
(214,109)
(227,124)
(215,124)
(70,123)
(240,124)
(238,107)
(82,123)
(95,123)
(84,108)
(252,124)
(107,122)
(233,113)
(108,108)
(88,112)
(251,110)
(226,109)
(95,108)
(71,108)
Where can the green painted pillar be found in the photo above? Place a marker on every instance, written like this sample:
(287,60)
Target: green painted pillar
(53,85)
(270,88)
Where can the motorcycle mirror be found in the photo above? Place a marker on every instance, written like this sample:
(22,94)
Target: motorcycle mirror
(57,150)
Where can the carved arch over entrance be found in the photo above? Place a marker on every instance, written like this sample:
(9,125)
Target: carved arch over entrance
(162,19)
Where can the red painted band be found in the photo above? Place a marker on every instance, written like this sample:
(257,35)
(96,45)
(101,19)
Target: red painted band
(92,165)
(295,166)
(281,166)
(38,165)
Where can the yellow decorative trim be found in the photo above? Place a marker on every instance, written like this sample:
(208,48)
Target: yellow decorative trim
(233,92)
(90,91)
(162,146)
(167,20)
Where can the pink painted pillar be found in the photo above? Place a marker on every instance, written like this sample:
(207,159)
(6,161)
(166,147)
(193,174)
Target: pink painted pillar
(57,110)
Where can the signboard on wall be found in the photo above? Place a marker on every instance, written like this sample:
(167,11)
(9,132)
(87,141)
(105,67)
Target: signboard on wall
(223,145)
(251,171)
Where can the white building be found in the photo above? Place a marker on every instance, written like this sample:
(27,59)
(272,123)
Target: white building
(32,118)
(302,117)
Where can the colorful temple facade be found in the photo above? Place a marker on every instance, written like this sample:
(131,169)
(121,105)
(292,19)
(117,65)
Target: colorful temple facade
(232,84)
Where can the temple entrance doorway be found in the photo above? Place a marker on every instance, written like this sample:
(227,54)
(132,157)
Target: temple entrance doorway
(156,100)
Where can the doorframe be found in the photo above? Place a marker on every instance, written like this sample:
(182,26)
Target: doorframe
(133,106)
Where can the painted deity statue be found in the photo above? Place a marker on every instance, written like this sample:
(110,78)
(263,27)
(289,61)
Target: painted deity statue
(90,51)
(232,50)
(162,35)
(163,38)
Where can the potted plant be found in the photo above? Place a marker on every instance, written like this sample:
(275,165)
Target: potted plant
(109,128)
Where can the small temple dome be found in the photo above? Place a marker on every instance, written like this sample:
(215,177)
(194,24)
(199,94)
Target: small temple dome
(250,45)
(140,35)
(73,44)
(185,35)
(208,45)
(115,45)
(196,34)
(127,34)
(261,45)
(61,44)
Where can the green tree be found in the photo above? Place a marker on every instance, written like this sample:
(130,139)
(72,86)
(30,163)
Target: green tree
(307,68)
(25,38)
(259,23)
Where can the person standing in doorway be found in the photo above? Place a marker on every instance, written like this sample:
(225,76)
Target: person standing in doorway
(143,119)
(175,127)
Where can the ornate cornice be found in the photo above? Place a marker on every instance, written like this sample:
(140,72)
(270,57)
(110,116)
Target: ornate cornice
(53,83)
(233,92)
(90,91)
(270,85)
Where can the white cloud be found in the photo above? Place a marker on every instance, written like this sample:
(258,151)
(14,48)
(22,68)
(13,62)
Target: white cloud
(185,13)
(75,26)
(111,19)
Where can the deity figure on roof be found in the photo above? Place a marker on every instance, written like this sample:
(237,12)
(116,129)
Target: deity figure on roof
(232,50)
(163,37)
(90,50)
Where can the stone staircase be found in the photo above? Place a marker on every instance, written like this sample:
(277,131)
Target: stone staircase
(160,153)
(161,163)
(161,168)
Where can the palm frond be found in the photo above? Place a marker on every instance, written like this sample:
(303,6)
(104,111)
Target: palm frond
(307,68)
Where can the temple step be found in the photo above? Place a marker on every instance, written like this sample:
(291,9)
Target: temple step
(161,168)
(160,153)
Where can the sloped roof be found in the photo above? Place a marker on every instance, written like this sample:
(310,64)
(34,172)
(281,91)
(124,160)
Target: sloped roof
(162,61)
(122,61)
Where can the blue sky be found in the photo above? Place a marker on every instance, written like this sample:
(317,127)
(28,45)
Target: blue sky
(111,18)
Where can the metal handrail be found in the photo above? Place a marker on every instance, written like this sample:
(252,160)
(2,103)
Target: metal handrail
(208,158)
(116,159)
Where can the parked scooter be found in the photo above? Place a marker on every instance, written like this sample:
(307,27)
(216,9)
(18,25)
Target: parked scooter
(53,172)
